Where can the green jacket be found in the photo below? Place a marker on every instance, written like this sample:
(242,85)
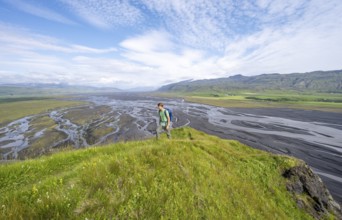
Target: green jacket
(163,115)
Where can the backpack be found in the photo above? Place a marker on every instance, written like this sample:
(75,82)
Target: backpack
(170,113)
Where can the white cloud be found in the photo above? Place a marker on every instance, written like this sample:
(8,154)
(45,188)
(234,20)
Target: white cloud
(171,62)
(105,14)
(198,39)
(195,22)
(84,49)
(19,39)
(311,43)
(39,11)
(139,66)
(153,41)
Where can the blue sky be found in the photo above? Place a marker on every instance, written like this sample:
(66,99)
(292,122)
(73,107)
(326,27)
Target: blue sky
(148,43)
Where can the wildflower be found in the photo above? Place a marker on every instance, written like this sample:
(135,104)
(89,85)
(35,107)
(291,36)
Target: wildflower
(34,189)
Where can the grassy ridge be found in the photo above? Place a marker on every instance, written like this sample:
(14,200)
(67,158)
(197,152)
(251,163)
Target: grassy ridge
(190,177)
(16,108)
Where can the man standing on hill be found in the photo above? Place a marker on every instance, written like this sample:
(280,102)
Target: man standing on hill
(164,121)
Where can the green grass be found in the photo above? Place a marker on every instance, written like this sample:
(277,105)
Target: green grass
(266,99)
(15,109)
(18,99)
(193,176)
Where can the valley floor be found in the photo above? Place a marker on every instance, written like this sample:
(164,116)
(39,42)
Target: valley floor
(313,136)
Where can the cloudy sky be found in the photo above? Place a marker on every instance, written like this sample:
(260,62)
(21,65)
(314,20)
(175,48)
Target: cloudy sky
(143,43)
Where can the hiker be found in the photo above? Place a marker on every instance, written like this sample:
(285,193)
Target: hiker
(164,121)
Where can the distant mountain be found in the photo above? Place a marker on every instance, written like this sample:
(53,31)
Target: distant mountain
(34,89)
(141,89)
(320,81)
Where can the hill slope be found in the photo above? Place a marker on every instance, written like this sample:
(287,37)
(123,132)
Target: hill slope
(320,81)
(190,177)
(19,90)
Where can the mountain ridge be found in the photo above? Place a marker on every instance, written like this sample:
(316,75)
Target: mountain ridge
(319,81)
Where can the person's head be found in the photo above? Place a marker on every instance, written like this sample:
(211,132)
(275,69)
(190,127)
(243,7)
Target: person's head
(160,106)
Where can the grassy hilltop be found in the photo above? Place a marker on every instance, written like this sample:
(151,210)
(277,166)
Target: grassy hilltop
(190,177)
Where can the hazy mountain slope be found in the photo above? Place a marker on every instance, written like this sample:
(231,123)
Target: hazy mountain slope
(13,90)
(320,81)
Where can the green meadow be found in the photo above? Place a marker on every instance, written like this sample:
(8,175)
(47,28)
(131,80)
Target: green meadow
(331,102)
(15,108)
(192,176)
